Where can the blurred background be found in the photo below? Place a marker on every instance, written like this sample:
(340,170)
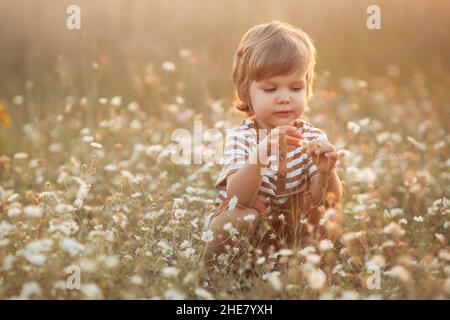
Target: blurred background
(86,169)
(122,46)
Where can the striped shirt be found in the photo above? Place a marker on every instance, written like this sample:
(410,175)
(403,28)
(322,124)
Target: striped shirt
(274,188)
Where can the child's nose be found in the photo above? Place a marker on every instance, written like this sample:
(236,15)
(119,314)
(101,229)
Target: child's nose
(284,99)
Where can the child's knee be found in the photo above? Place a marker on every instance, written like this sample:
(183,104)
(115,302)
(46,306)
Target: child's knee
(244,220)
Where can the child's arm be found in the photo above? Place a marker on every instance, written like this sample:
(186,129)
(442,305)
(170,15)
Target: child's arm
(324,156)
(318,184)
(245,182)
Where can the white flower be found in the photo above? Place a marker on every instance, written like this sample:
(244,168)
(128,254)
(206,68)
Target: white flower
(116,101)
(71,245)
(228,226)
(403,221)
(349,295)
(418,219)
(35,258)
(30,288)
(169,272)
(394,229)
(67,227)
(313,259)
(396,212)
(88,139)
(172,294)
(203,294)
(376,260)
(260,260)
(168,66)
(33,251)
(38,246)
(353,127)
(91,291)
(62,208)
(366,175)
(111,167)
(137,280)
(179,100)
(330,212)
(111,262)
(14,212)
(8,262)
(316,279)
(21,155)
(184,53)
(207,236)
(307,250)
(188,253)
(85,131)
(96,145)
(55,147)
(249,217)
(285,252)
(444,255)
(133,106)
(33,211)
(78,203)
(440,237)
(180,213)
(400,273)
(83,191)
(275,281)
(13,197)
(325,245)
(165,247)
(233,202)
(18,100)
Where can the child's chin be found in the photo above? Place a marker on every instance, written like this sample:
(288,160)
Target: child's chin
(284,121)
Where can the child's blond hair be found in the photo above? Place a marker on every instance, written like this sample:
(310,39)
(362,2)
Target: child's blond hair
(269,50)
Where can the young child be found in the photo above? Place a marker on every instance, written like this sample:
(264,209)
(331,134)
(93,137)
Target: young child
(273,72)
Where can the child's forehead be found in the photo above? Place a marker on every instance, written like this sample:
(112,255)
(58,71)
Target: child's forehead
(295,76)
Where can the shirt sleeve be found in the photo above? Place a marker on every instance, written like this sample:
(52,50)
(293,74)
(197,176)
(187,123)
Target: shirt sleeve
(236,152)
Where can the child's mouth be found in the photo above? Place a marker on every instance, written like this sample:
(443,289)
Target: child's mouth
(283,114)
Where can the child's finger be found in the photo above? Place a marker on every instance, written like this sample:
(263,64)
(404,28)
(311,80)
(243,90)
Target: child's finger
(312,145)
(323,149)
(294,141)
(291,130)
(331,155)
(295,134)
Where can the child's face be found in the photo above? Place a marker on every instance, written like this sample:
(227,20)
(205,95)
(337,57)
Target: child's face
(281,93)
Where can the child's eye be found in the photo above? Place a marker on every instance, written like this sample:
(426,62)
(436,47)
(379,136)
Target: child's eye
(270,89)
(297,88)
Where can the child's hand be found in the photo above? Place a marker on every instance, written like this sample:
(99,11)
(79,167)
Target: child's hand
(280,137)
(323,153)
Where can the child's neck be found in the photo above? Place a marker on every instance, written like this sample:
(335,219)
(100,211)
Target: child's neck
(258,125)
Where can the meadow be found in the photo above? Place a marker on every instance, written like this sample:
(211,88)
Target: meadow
(93,207)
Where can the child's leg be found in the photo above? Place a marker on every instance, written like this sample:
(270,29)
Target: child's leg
(245,227)
(320,224)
